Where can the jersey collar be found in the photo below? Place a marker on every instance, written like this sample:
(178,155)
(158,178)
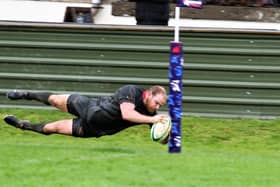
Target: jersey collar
(144,95)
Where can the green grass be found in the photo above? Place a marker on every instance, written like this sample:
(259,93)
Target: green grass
(215,153)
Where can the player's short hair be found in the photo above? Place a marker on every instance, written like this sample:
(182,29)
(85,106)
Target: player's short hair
(157,90)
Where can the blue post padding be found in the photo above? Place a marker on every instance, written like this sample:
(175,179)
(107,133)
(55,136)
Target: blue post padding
(176,63)
(190,3)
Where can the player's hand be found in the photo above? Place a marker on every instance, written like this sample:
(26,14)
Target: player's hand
(159,118)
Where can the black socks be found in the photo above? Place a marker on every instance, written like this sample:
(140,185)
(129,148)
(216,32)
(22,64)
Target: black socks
(39,96)
(25,125)
(35,127)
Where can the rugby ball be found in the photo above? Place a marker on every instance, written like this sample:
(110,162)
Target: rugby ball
(161,130)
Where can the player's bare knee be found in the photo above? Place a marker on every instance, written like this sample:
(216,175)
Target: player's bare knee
(48,129)
(53,99)
(59,101)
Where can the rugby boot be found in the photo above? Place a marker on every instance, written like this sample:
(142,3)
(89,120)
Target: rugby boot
(15,122)
(15,95)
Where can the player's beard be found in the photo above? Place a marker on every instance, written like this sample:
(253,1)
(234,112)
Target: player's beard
(150,110)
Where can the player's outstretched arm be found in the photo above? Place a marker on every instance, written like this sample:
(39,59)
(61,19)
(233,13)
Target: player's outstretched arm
(130,114)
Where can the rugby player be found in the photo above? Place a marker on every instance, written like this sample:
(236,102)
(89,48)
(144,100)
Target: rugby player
(130,105)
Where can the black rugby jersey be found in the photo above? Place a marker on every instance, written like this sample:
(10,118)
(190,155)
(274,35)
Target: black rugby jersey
(104,114)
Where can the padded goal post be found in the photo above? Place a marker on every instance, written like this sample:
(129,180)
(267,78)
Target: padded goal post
(176,62)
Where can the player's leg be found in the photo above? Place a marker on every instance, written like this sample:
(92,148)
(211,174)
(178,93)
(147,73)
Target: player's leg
(72,127)
(58,101)
(58,127)
(38,96)
(74,104)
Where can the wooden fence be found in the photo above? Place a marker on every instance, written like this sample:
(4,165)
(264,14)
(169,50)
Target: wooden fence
(227,73)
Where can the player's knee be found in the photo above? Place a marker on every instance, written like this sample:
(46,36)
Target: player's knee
(53,99)
(58,101)
(49,129)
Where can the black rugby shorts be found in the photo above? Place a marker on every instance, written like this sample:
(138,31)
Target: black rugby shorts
(78,106)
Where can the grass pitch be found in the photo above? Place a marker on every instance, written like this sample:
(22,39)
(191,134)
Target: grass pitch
(215,152)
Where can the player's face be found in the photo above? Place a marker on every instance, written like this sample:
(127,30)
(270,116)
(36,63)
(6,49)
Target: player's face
(154,102)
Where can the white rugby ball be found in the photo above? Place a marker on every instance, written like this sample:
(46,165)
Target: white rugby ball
(161,130)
